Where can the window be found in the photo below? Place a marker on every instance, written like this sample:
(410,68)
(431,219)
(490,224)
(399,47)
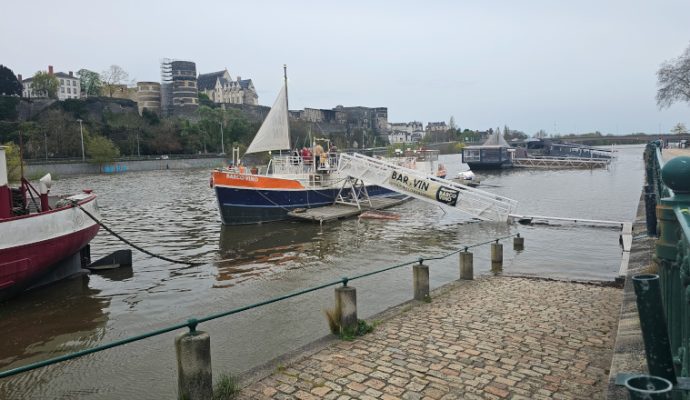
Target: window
(62,90)
(69,90)
(471,155)
(62,81)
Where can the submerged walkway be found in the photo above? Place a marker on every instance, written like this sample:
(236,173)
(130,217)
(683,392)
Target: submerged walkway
(492,338)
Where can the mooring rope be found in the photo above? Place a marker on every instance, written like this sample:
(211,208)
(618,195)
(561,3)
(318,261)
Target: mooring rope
(75,204)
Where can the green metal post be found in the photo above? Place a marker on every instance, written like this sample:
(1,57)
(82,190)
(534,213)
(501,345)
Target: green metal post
(653,324)
(675,175)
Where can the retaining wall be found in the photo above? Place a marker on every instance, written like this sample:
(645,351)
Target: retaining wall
(81,168)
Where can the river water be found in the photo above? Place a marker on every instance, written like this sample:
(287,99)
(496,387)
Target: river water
(174,213)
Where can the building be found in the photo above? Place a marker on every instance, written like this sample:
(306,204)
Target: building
(149,97)
(436,127)
(179,93)
(69,88)
(405,132)
(409,127)
(221,89)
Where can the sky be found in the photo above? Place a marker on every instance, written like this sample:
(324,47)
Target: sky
(561,66)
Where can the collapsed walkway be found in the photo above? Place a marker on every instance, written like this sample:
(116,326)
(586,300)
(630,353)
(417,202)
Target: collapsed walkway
(492,338)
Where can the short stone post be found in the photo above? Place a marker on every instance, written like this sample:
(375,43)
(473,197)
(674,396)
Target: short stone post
(420,280)
(194,380)
(518,243)
(466,265)
(346,305)
(496,257)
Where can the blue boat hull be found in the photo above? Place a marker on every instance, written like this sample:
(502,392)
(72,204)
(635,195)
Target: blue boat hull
(240,206)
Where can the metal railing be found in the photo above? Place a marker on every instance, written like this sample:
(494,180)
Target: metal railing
(192,323)
(669,182)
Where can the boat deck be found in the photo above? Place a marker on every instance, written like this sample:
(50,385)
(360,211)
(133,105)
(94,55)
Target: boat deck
(341,211)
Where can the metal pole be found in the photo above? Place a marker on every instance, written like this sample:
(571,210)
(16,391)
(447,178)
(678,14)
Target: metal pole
(81,133)
(138,152)
(654,330)
(222,141)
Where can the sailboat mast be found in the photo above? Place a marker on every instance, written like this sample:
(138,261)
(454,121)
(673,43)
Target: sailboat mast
(287,107)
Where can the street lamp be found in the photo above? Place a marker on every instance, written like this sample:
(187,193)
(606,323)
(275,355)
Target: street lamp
(81,133)
(222,142)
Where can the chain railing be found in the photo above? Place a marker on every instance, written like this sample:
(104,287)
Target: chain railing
(192,323)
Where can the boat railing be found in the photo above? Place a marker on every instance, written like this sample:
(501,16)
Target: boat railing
(294,165)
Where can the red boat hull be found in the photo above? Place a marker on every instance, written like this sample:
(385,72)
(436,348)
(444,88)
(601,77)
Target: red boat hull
(58,234)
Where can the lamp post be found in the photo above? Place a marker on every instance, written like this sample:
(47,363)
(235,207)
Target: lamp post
(222,142)
(81,133)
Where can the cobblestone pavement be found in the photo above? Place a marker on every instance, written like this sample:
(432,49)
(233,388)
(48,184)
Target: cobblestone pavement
(492,338)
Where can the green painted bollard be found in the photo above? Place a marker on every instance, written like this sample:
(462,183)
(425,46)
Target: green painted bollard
(645,387)
(466,266)
(420,277)
(653,323)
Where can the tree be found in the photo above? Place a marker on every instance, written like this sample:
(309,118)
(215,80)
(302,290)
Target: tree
(101,150)
(679,129)
(90,82)
(112,78)
(673,80)
(451,123)
(13,162)
(45,83)
(541,134)
(9,84)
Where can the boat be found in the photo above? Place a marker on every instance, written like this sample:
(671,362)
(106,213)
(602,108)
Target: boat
(292,179)
(39,238)
(495,153)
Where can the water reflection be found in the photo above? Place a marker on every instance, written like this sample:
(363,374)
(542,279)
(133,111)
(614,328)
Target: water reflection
(252,250)
(53,320)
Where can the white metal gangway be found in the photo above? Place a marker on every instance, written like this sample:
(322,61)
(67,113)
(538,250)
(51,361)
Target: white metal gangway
(449,194)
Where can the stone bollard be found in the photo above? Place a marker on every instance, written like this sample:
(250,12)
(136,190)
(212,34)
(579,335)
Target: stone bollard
(466,266)
(420,280)
(518,243)
(496,257)
(346,304)
(194,380)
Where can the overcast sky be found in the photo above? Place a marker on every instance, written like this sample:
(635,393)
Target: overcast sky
(575,66)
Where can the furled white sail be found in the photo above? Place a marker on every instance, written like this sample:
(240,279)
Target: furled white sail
(274,133)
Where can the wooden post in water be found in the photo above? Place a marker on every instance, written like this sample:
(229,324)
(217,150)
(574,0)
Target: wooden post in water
(194,380)
(466,266)
(346,304)
(420,281)
(518,243)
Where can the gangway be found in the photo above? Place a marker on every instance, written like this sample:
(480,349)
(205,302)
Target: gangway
(449,194)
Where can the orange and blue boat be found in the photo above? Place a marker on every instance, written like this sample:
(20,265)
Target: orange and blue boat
(289,182)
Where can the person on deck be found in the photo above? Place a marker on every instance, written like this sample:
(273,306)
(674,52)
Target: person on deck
(318,153)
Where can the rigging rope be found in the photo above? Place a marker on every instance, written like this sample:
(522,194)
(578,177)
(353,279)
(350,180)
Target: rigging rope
(75,204)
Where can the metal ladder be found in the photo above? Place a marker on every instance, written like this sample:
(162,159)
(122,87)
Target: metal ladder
(449,194)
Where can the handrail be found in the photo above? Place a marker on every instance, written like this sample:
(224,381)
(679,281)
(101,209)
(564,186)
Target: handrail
(668,213)
(193,322)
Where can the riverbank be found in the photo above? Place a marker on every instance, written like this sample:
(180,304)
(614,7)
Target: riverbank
(87,168)
(495,337)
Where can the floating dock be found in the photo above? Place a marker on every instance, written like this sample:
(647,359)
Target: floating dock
(560,162)
(340,211)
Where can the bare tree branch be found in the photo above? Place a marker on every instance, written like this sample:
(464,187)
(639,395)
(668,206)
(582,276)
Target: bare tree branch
(673,80)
